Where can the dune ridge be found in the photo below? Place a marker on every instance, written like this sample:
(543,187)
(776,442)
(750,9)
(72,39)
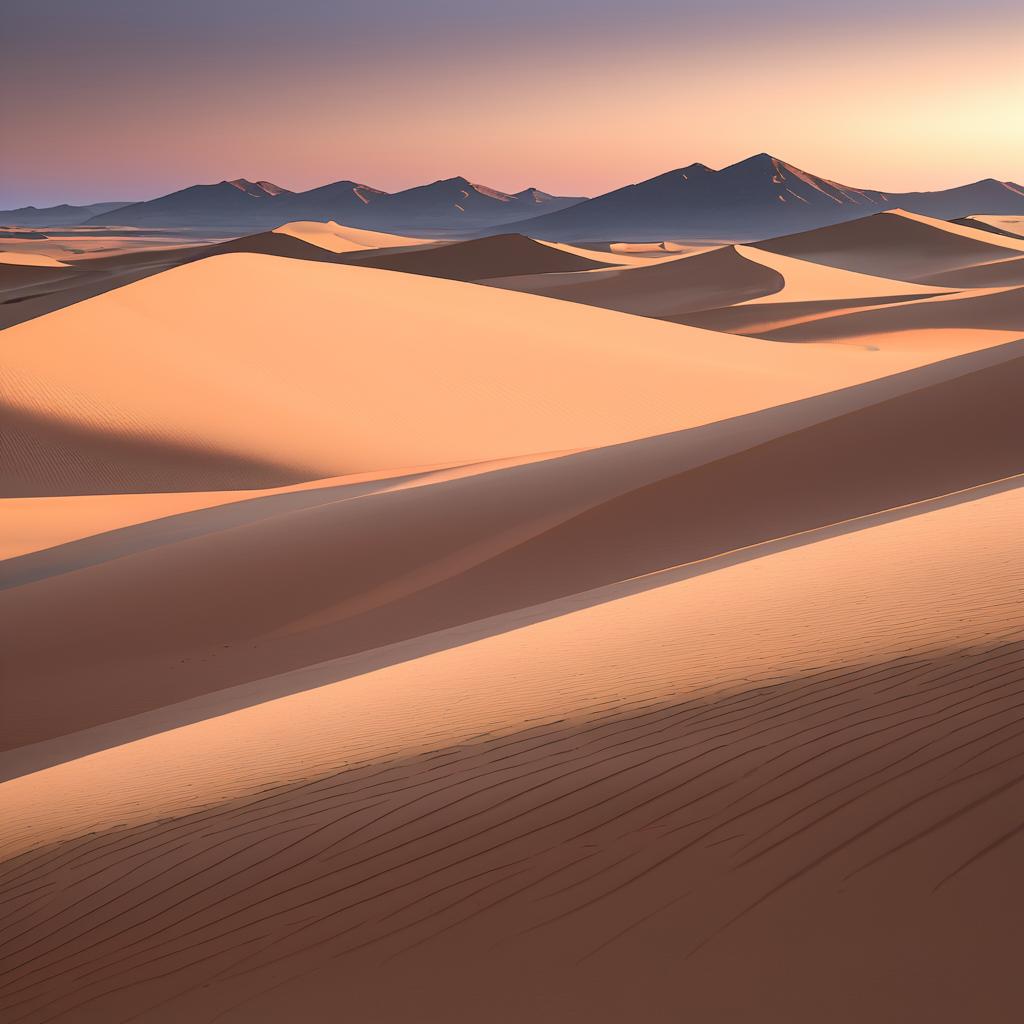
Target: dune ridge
(167,397)
(667,832)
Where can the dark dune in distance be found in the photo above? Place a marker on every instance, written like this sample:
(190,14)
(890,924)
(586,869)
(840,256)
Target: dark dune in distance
(482,258)
(889,246)
(719,277)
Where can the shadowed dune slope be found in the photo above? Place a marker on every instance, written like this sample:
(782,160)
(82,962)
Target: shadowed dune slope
(261,366)
(805,765)
(482,258)
(901,245)
(1001,224)
(982,311)
(281,586)
(997,274)
(666,288)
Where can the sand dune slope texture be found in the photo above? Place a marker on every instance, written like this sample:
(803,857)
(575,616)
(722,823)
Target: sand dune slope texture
(807,764)
(199,378)
(229,593)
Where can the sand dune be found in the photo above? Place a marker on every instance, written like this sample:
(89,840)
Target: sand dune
(29,259)
(1004,224)
(997,274)
(482,258)
(339,238)
(666,288)
(897,244)
(623,255)
(529,374)
(662,785)
(989,312)
(809,282)
(301,578)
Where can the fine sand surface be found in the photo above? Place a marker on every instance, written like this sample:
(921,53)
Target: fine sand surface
(531,375)
(29,259)
(1003,224)
(272,584)
(338,238)
(387,648)
(665,288)
(665,787)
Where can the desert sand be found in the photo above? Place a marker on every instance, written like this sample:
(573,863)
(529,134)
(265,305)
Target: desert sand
(633,640)
(338,238)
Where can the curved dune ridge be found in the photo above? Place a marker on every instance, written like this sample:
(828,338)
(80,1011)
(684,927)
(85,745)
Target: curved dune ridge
(287,580)
(339,238)
(481,258)
(29,259)
(661,786)
(626,256)
(989,313)
(897,244)
(1003,224)
(530,375)
(807,282)
(661,288)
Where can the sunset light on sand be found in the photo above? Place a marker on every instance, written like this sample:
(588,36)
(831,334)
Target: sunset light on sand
(511,513)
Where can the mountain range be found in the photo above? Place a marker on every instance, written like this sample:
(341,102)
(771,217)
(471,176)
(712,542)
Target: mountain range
(64,215)
(753,199)
(449,205)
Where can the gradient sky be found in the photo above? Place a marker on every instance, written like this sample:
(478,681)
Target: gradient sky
(124,99)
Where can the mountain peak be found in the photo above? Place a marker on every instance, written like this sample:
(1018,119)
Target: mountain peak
(256,189)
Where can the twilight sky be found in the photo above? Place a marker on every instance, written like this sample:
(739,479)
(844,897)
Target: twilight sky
(128,99)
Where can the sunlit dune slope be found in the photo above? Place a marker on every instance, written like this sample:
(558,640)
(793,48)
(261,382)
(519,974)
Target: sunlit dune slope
(246,370)
(897,244)
(28,259)
(988,313)
(664,288)
(730,276)
(803,765)
(1001,224)
(227,595)
(339,238)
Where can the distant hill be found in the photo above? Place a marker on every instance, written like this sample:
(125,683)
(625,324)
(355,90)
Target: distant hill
(452,205)
(231,203)
(51,216)
(757,198)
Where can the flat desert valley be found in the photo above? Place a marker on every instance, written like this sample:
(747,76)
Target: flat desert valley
(407,628)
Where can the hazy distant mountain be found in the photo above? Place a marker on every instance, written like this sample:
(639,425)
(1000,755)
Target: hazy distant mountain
(63,215)
(228,203)
(456,204)
(755,198)
(452,205)
(987,196)
(347,202)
